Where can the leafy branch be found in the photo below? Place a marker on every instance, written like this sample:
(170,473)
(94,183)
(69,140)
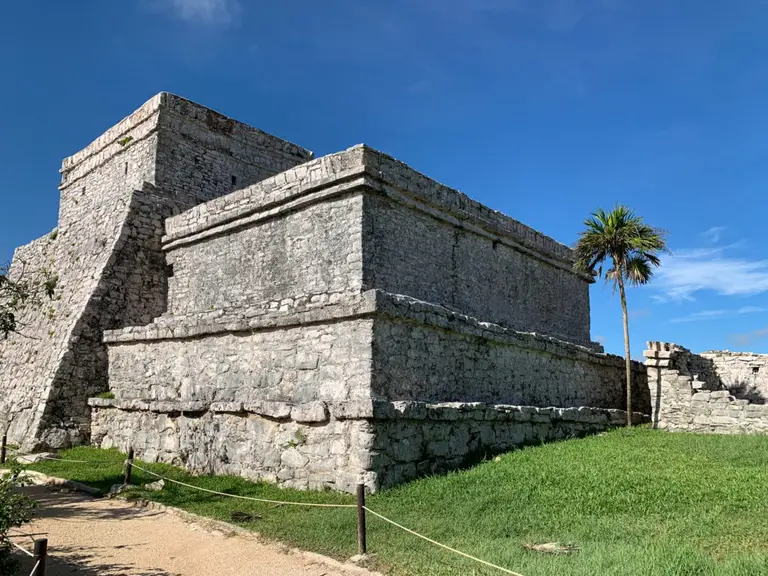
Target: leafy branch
(19,290)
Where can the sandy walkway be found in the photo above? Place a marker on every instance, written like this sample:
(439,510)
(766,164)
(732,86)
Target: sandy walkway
(88,536)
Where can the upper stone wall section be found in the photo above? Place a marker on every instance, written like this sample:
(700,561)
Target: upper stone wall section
(363,161)
(116,193)
(195,142)
(409,235)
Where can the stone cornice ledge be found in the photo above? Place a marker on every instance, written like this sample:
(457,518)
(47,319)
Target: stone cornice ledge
(319,411)
(244,320)
(351,306)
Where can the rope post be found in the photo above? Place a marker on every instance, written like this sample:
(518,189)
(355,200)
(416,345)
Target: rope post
(361,543)
(128,466)
(41,556)
(3,447)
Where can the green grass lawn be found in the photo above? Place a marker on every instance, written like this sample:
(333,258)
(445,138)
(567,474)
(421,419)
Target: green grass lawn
(636,502)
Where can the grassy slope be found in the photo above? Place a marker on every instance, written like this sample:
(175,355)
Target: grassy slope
(637,502)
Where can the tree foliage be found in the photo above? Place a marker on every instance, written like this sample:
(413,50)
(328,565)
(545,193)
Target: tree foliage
(16,509)
(20,288)
(631,248)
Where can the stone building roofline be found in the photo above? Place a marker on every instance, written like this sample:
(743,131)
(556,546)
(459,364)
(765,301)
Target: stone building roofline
(145,121)
(344,172)
(734,353)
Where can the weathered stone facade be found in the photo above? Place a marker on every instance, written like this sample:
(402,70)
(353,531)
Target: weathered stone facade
(743,374)
(710,392)
(333,320)
(115,195)
(315,445)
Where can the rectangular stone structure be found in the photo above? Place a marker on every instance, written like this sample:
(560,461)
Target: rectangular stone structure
(313,322)
(166,157)
(314,303)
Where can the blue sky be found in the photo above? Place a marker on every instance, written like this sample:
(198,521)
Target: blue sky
(543,109)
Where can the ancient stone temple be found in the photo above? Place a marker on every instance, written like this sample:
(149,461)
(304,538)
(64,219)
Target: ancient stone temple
(315,322)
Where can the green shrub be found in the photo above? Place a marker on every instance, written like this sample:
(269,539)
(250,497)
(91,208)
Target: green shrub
(109,395)
(15,510)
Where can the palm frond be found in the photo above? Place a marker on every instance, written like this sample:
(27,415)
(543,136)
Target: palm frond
(638,270)
(622,239)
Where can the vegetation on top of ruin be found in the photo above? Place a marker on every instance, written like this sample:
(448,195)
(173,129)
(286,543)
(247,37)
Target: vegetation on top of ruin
(635,502)
(622,240)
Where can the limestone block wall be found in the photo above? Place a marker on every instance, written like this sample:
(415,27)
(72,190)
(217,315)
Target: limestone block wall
(291,446)
(285,355)
(315,445)
(744,374)
(115,196)
(424,255)
(205,155)
(413,439)
(288,258)
(417,237)
(687,394)
(57,361)
(422,351)
(296,364)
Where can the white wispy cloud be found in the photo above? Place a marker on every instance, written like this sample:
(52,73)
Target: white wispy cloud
(717,314)
(746,338)
(204,11)
(714,234)
(686,272)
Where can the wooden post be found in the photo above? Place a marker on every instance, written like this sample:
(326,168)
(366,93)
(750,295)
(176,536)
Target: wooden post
(361,543)
(41,556)
(128,466)
(2,448)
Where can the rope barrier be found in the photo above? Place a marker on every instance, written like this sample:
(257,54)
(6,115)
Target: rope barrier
(34,568)
(27,552)
(308,504)
(24,535)
(75,461)
(436,543)
(486,563)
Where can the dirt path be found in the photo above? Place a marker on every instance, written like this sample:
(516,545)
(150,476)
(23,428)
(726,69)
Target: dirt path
(90,536)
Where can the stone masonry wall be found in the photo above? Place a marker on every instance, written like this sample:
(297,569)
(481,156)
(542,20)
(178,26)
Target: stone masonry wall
(687,394)
(321,393)
(282,357)
(316,445)
(426,352)
(744,374)
(296,255)
(419,238)
(296,364)
(431,259)
(115,196)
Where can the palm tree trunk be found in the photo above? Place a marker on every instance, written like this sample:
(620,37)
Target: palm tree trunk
(626,350)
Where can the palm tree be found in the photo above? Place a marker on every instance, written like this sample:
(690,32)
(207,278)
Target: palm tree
(632,248)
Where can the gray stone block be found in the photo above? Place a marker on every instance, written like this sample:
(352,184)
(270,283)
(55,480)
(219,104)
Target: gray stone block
(314,412)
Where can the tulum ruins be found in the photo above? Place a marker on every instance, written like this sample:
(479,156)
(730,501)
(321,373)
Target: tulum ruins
(230,303)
